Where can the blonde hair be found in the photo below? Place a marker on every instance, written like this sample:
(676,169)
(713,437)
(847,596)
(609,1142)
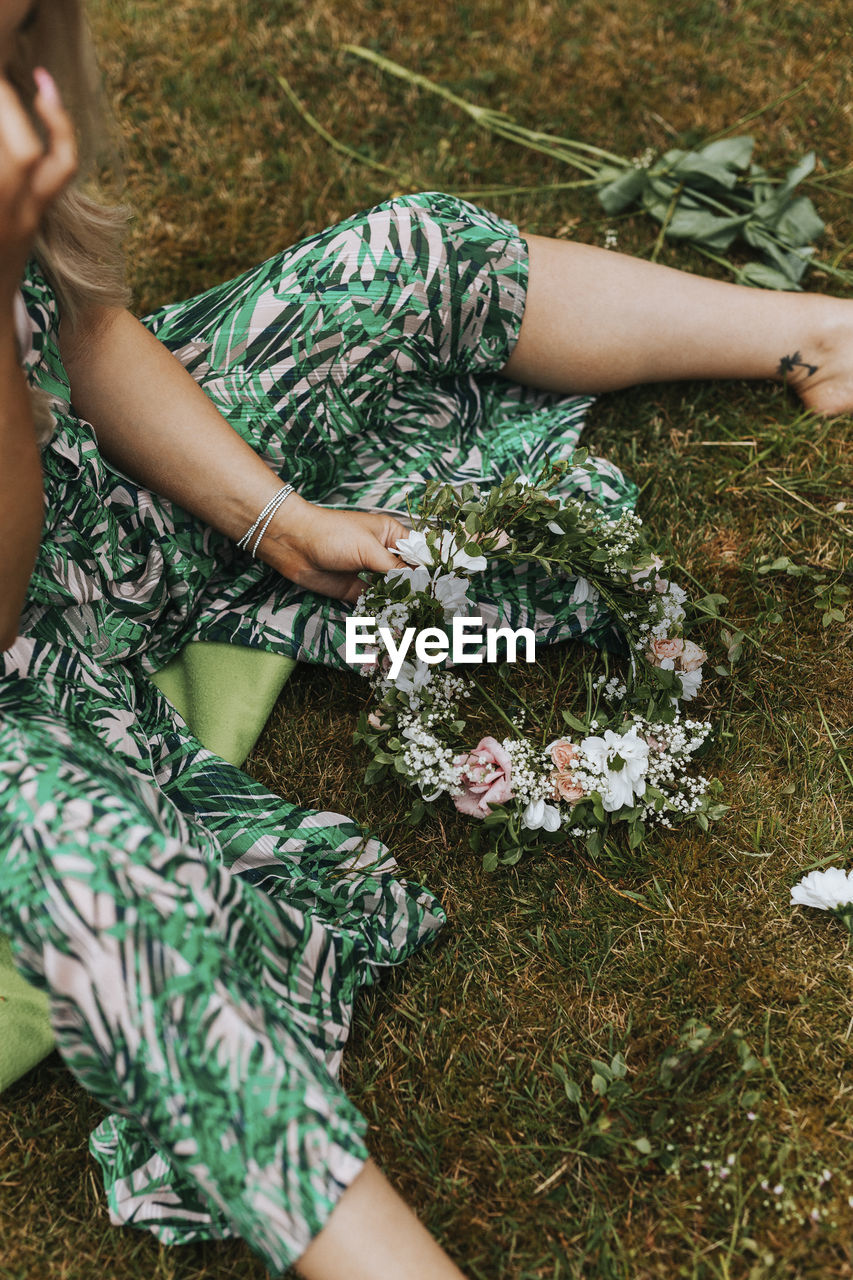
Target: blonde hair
(80,243)
(79,246)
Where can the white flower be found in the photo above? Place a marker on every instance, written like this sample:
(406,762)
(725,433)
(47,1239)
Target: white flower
(538,815)
(449,549)
(418,579)
(415,549)
(824,889)
(621,761)
(413,676)
(690,682)
(582,591)
(452,592)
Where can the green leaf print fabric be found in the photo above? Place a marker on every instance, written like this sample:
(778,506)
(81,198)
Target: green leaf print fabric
(225,693)
(202,940)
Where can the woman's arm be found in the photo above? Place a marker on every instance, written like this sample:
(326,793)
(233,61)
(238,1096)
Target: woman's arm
(32,174)
(21,495)
(156,425)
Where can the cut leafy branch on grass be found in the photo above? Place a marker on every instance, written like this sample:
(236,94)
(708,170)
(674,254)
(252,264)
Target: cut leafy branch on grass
(710,197)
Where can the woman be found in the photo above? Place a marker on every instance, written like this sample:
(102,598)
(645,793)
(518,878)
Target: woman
(202,941)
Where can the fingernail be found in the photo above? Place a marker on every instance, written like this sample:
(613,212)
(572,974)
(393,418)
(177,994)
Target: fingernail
(46,86)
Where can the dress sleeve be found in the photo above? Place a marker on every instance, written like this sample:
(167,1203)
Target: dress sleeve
(36,322)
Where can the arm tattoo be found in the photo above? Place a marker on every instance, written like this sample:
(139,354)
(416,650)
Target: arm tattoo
(789,363)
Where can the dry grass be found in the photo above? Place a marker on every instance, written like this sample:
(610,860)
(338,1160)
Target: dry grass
(460,1062)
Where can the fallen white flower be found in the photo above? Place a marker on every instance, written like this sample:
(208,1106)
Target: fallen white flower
(825,890)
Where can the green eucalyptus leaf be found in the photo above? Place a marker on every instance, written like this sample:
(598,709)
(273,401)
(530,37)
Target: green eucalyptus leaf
(734,153)
(799,223)
(623,191)
(790,264)
(708,229)
(657,198)
(697,169)
(759,276)
(795,175)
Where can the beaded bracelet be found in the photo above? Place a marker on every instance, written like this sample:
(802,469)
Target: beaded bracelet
(266,515)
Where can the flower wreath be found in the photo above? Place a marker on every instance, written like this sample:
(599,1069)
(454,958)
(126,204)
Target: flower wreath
(623,764)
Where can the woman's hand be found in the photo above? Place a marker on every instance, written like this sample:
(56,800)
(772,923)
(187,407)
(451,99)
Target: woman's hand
(32,174)
(325,550)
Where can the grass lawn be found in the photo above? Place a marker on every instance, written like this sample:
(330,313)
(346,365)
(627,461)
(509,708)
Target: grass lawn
(723,1148)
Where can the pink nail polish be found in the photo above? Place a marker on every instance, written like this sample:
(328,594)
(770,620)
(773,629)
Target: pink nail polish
(46,86)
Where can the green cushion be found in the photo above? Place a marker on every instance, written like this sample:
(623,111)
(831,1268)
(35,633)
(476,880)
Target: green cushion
(225,694)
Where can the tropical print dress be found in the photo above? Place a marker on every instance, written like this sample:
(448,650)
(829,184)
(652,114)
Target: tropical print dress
(201,939)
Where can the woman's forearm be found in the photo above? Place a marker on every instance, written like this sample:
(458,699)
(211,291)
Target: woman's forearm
(21,491)
(156,425)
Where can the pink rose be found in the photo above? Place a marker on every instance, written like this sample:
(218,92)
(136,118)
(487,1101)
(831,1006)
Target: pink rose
(664,651)
(486,774)
(564,753)
(692,657)
(567,788)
